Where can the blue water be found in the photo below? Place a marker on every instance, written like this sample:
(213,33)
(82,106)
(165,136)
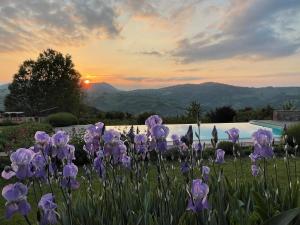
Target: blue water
(246,130)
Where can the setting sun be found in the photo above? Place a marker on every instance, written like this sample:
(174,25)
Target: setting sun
(87,81)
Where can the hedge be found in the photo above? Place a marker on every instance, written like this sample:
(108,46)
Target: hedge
(21,136)
(294,132)
(62,119)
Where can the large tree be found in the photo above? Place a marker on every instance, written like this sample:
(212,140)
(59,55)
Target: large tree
(49,82)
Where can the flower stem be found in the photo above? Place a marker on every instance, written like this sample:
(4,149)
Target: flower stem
(27,220)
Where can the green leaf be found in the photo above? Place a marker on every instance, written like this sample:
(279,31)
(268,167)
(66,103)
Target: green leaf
(284,218)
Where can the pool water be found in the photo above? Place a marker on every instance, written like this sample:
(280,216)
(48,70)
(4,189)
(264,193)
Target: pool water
(246,130)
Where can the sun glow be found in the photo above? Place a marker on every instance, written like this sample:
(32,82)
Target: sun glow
(86,81)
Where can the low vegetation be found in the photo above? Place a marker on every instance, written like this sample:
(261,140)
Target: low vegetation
(135,178)
(62,119)
(14,137)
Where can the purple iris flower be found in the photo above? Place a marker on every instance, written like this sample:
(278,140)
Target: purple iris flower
(8,173)
(94,132)
(38,165)
(48,206)
(199,194)
(90,134)
(254,157)
(220,156)
(184,167)
(21,162)
(161,145)
(60,139)
(197,147)
(111,135)
(126,161)
(70,170)
(205,172)
(176,140)
(153,121)
(140,141)
(92,147)
(255,170)
(99,166)
(42,138)
(69,153)
(159,132)
(233,134)
(64,152)
(99,128)
(16,199)
(116,149)
(69,176)
(263,143)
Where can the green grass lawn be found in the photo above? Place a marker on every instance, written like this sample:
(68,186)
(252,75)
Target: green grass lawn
(173,168)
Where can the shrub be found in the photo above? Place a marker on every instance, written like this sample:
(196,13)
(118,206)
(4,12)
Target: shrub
(80,155)
(20,136)
(62,119)
(227,146)
(293,132)
(7,123)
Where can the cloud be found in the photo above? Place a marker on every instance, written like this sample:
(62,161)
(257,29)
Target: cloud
(188,70)
(279,75)
(32,24)
(141,8)
(151,53)
(249,31)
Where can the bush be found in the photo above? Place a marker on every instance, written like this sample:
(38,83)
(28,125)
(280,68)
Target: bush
(80,155)
(21,136)
(62,119)
(7,123)
(227,146)
(293,132)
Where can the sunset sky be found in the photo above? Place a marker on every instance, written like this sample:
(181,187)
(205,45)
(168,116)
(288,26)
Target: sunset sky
(147,44)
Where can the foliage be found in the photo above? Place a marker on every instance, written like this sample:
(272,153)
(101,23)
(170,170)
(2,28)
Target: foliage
(142,117)
(222,114)
(227,146)
(48,82)
(15,137)
(62,119)
(7,123)
(115,191)
(194,110)
(293,133)
(80,154)
(289,105)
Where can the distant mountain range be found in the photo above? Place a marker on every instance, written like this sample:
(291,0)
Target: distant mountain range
(174,99)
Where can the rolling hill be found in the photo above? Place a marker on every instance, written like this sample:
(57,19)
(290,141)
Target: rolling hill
(173,100)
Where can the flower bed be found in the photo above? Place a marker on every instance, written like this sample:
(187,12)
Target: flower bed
(129,181)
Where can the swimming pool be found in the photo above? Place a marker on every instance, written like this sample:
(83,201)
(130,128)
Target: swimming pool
(246,130)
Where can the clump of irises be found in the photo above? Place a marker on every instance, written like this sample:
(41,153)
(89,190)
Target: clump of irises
(116,181)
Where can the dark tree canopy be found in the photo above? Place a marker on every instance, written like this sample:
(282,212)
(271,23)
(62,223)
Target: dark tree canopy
(222,114)
(50,81)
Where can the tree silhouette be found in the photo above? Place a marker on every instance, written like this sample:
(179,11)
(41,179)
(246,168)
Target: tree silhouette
(49,82)
(222,114)
(194,110)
